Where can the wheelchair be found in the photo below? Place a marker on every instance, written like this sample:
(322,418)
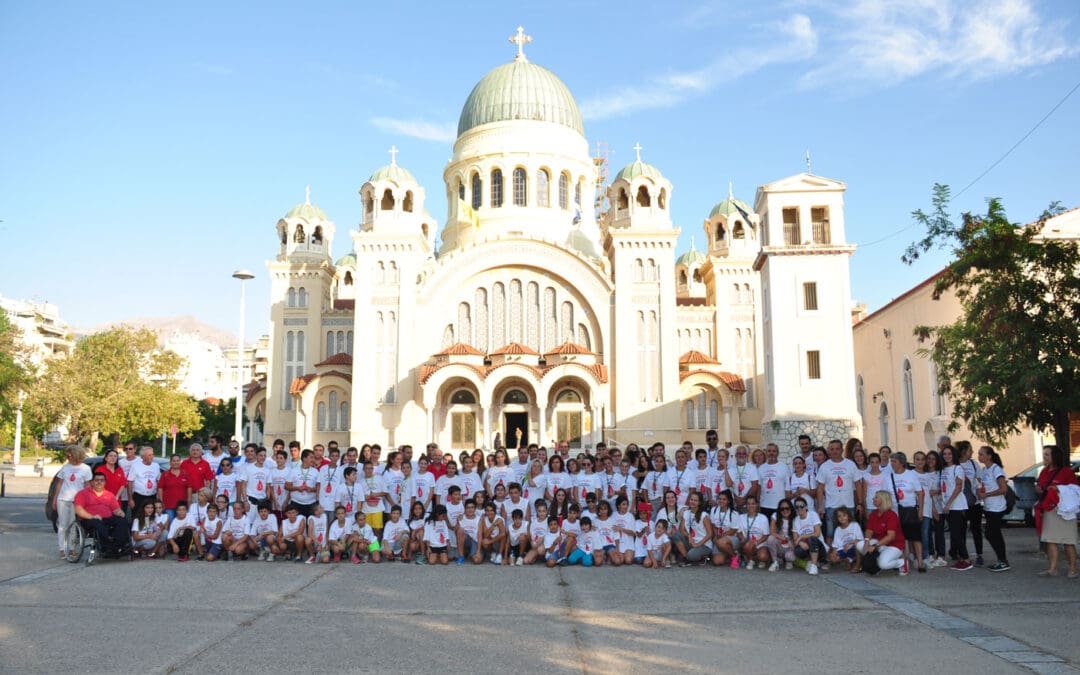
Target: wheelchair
(82,542)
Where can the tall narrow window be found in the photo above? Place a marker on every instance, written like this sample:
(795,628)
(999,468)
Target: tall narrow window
(691,415)
(643,196)
(819,219)
(290,300)
(564,191)
(477,190)
(332,417)
(496,188)
(860,394)
(813,365)
(937,399)
(577,195)
(329,345)
(321,417)
(542,195)
(907,383)
(791,227)
(809,293)
(520,187)
(343,419)
(302,297)
(883,423)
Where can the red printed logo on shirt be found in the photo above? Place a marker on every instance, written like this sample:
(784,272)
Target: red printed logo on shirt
(610,490)
(839,481)
(644,540)
(259,486)
(226,493)
(328,488)
(348,506)
(943,487)
(900,494)
(420,492)
(72,478)
(768,484)
(442,538)
(149,483)
(740,486)
(279,489)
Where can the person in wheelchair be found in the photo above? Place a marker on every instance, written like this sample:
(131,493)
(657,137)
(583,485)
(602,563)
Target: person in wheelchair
(98,511)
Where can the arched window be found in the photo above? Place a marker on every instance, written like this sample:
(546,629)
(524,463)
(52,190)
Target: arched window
(643,196)
(577,195)
(860,394)
(883,423)
(662,199)
(340,342)
(407,204)
(568,396)
(737,232)
(639,270)
(298,236)
(348,278)
(623,201)
(937,399)
(564,191)
(682,277)
(316,238)
(691,423)
(701,411)
(369,203)
(332,418)
(329,344)
(520,187)
(907,383)
(697,276)
(496,188)
(348,343)
(477,190)
(462,397)
(542,195)
(720,233)
(302,297)
(290,297)
(387,203)
(321,423)
(343,419)
(714,414)
(515,396)
(460,190)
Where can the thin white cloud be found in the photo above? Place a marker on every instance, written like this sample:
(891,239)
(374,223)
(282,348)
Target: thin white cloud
(426,131)
(790,40)
(884,43)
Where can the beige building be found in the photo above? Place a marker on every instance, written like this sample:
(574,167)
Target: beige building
(897,387)
(535,315)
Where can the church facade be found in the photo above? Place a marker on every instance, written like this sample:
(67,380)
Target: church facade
(536,319)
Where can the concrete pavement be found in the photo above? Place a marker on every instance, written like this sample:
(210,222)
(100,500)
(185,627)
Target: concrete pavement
(186,617)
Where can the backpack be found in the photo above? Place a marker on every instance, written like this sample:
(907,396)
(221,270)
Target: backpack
(1010,499)
(969,491)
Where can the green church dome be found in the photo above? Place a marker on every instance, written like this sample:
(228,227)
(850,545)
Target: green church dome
(520,90)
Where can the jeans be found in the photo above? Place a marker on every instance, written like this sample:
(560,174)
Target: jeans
(65,516)
(828,523)
(926,530)
(993,534)
(698,553)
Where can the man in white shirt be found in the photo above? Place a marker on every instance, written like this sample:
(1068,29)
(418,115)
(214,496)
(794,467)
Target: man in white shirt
(143,480)
(712,446)
(303,484)
(216,454)
(521,466)
(836,481)
(742,478)
(772,476)
(257,479)
(806,451)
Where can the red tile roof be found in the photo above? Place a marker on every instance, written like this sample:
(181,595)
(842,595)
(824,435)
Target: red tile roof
(515,349)
(427,371)
(690,302)
(301,383)
(731,380)
(460,349)
(341,359)
(694,356)
(568,348)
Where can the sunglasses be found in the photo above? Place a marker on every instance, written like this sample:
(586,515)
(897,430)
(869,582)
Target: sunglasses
(800,508)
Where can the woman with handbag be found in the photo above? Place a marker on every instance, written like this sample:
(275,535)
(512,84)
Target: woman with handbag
(1055,531)
(992,489)
(907,487)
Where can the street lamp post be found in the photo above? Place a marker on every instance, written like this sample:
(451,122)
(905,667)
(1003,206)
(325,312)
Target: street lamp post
(243,276)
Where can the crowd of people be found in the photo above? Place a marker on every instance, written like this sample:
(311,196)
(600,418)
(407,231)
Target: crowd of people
(836,505)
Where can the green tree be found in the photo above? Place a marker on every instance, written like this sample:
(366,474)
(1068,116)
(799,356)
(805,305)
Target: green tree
(114,382)
(15,377)
(1012,357)
(218,418)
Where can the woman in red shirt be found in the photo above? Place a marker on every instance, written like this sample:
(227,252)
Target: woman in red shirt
(115,480)
(174,486)
(884,535)
(1055,529)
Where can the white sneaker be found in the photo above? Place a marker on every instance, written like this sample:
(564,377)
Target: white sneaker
(262,555)
(519,562)
(811,569)
(269,557)
(749,565)
(775,566)
(789,565)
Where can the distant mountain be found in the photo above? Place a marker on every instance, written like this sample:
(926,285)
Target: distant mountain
(164,326)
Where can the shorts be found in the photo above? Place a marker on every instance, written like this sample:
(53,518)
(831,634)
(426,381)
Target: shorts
(375,520)
(214,550)
(437,550)
(609,548)
(374,547)
(290,545)
(304,510)
(912,531)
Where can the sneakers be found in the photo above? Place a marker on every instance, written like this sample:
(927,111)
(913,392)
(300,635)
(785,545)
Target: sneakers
(309,561)
(938,562)
(337,557)
(812,569)
(299,559)
(494,560)
(519,562)
(775,566)
(421,560)
(962,566)
(667,565)
(262,554)
(460,560)
(979,561)
(355,559)
(734,562)
(904,569)
(269,557)
(825,567)
(789,565)
(1000,566)
(750,565)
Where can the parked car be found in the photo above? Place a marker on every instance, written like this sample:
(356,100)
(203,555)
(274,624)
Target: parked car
(1023,484)
(92,462)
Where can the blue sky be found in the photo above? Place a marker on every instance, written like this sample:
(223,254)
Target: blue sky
(149,149)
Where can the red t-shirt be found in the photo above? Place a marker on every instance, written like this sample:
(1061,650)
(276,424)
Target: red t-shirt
(115,481)
(437,470)
(198,474)
(878,525)
(173,488)
(103,505)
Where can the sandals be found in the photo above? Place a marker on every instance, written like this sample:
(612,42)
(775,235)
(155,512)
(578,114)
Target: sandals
(1048,573)
(1072,575)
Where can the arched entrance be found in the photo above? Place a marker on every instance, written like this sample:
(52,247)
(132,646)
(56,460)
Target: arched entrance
(515,417)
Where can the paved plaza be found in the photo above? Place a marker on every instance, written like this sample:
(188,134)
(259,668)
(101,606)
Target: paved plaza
(281,617)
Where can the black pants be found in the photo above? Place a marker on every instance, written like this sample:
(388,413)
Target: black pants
(938,527)
(112,534)
(975,516)
(183,542)
(994,536)
(958,534)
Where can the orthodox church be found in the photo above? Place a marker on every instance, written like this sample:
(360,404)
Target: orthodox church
(535,318)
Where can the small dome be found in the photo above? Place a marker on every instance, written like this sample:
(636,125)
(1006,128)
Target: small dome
(520,90)
(306,211)
(638,169)
(347,260)
(579,241)
(394,173)
(691,257)
(729,207)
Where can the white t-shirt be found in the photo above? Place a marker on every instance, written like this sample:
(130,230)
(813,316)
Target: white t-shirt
(624,520)
(351,497)
(949,476)
(72,479)
(537,528)
(518,531)
(237,527)
(470,484)
(373,485)
(742,478)
(655,483)
(839,479)
(773,480)
(290,528)
(424,488)
(908,487)
(520,470)
(875,484)
(211,524)
(256,480)
(682,481)
(988,477)
(443,485)
(805,526)
(499,475)
(394,479)
(470,526)
(558,480)
(391,530)
(605,532)
(280,495)
(179,523)
(329,480)
(437,534)
(530,493)
(804,481)
(756,527)
(843,537)
(971,473)
(584,484)
(697,528)
(260,526)
(454,512)
(226,485)
(126,464)
(550,538)
(725,520)
(339,531)
(365,531)
(144,478)
(587,542)
(214,462)
(571,527)
(197,514)
(300,477)
(316,529)
(655,543)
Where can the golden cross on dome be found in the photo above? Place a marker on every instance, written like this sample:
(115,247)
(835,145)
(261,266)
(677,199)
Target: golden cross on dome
(393,155)
(637,148)
(520,39)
